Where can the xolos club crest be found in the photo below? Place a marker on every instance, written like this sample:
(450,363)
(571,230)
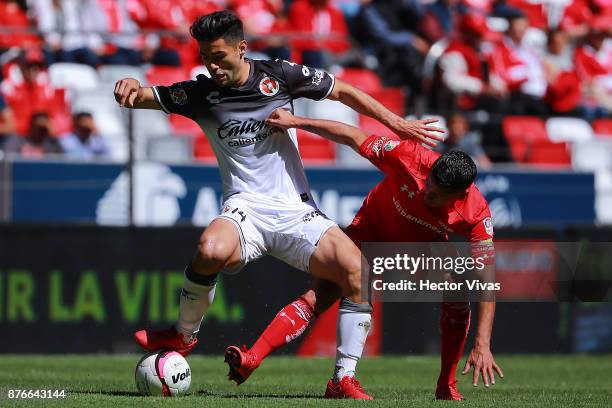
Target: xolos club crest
(269,86)
(178,96)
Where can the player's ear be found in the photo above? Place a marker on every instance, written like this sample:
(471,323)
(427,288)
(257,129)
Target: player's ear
(242,48)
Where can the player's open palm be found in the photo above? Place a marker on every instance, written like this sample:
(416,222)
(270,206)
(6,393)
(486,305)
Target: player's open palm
(127,91)
(421,130)
(281,118)
(481,359)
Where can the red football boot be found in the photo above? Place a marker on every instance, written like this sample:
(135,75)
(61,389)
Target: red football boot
(169,339)
(241,362)
(348,387)
(448,392)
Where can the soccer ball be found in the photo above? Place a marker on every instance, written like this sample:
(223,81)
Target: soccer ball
(163,373)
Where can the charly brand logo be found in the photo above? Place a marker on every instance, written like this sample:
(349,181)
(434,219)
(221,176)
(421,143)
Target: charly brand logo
(269,86)
(156,197)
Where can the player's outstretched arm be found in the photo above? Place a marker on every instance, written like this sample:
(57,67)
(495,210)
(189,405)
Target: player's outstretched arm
(480,358)
(335,131)
(130,94)
(421,130)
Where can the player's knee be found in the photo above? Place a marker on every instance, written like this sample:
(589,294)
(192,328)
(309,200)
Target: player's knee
(213,253)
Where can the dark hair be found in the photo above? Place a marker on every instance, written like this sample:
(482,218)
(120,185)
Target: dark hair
(220,24)
(454,170)
(81,115)
(38,115)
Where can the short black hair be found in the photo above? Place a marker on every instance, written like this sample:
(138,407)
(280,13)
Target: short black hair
(220,24)
(454,170)
(80,115)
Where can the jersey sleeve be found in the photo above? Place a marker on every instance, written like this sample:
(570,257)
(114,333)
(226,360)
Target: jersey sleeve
(181,98)
(481,238)
(306,82)
(389,154)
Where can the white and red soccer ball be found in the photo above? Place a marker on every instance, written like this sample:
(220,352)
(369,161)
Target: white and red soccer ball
(163,373)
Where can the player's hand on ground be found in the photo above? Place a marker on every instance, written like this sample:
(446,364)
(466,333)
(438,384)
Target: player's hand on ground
(422,130)
(482,361)
(281,118)
(127,91)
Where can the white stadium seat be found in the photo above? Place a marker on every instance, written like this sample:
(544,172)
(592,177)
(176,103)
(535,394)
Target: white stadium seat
(75,77)
(110,74)
(568,130)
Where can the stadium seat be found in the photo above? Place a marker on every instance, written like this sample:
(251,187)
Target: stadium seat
(170,149)
(592,155)
(185,126)
(110,74)
(361,78)
(547,153)
(568,130)
(161,75)
(393,98)
(372,126)
(521,131)
(603,127)
(332,110)
(75,77)
(202,151)
(314,149)
(199,70)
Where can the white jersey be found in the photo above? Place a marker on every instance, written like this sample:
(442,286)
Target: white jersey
(254,159)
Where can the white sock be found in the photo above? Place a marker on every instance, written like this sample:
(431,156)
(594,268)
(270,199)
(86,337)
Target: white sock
(354,321)
(195,300)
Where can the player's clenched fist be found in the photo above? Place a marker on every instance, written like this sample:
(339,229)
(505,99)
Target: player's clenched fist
(282,118)
(128,92)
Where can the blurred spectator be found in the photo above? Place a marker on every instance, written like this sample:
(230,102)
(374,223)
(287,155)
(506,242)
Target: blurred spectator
(124,43)
(461,138)
(593,61)
(578,14)
(189,52)
(7,124)
(563,94)
(465,70)
(390,29)
(166,15)
(318,19)
(39,140)
(72,29)
(84,142)
(441,18)
(13,16)
(520,67)
(27,88)
(265,20)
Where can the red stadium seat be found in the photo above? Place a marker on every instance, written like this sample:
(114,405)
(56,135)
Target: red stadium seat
(603,127)
(160,75)
(363,79)
(182,125)
(392,98)
(315,149)
(372,126)
(202,150)
(544,152)
(522,131)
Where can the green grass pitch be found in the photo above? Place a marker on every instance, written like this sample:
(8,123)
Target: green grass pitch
(107,381)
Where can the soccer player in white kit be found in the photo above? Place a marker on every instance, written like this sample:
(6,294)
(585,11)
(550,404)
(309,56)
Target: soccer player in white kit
(267,204)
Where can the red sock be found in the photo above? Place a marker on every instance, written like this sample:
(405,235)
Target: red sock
(454,325)
(288,324)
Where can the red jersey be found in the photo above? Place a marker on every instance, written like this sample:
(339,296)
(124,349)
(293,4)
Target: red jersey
(394,211)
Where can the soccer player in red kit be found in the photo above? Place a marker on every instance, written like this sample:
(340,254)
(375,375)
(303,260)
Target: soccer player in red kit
(423,197)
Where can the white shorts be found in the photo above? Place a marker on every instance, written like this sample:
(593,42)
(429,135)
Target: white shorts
(287,232)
